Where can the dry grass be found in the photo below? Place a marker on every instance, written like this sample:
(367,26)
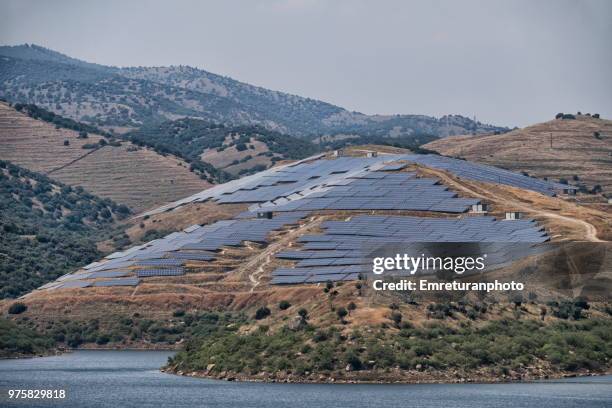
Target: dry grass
(223,160)
(574,151)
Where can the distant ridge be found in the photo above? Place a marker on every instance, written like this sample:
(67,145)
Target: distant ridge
(130,97)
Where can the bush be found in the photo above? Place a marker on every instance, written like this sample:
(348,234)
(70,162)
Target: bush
(397,318)
(341,312)
(17,308)
(284,305)
(102,339)
(262,313)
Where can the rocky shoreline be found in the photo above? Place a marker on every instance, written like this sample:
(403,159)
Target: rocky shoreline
(391,376)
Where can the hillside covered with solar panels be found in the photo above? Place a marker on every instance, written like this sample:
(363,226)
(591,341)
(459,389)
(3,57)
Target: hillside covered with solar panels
(351,203)
(274,272)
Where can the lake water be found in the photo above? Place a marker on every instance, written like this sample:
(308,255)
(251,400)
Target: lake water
(132,379)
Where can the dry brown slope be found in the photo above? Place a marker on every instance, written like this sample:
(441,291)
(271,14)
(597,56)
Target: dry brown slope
(231,159)
(575,150)
(137,177)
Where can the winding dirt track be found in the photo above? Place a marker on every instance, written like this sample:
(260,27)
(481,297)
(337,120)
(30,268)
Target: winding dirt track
(265,256)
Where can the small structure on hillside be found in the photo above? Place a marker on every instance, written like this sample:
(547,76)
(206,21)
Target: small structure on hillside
(570,190)
(371,154)
(338,153)
(480,208)
(264,214)
(513,215)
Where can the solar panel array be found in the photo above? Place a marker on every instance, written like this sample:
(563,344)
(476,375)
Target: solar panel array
(344,250)
(292,191)
(167,256)
(298,181)
(483,172)
(380,191)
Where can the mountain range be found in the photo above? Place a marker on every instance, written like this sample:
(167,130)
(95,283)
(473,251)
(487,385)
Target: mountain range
(123,99)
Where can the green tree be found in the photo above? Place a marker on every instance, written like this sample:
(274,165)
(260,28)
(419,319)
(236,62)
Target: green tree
(17,308)
(262,313)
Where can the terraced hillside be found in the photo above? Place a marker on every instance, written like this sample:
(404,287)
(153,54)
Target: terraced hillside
(128,174)
(578,150)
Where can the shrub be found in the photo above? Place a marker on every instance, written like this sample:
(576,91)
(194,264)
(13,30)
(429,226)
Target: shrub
(17,308)
(262,313)
(284,305)
(397,318)
(341,312)
(352,359)
(102,339)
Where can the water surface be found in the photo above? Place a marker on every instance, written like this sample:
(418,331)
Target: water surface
(132,379)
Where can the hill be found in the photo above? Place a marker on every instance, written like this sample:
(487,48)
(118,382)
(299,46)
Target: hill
(287,297)
(126,173)
(581,151)
(130,97)
(236,150)
(48,228)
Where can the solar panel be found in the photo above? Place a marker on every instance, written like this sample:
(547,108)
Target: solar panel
(73,284)
(108,274)
(161,262)
(142,273)
(118,282)
(191,256)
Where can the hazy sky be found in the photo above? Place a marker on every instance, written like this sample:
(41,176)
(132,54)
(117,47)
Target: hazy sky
(507,62)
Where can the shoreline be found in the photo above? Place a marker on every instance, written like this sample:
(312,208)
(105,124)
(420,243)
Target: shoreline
(407,377)
(62,350)
(392,376)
